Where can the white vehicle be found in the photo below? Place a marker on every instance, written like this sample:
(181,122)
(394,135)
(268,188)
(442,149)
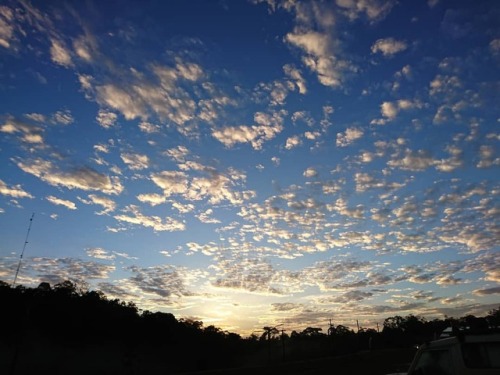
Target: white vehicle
(464,354)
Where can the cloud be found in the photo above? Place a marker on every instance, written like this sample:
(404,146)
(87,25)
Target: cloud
(314,34)
(178,153)
(495,46)
(101,147)
(61,202)
(445,85)
(352,296)
(120,99)
(388,46)
(153,199)
(106,119)
(149,128)
(432,3)
(56,270)
(171,182)
(28,133)
(293,142)
(348,137)
(310,172)
(286,306)
(63,117)
(266,128)
(99,253)
(38,117)
(327,275)
(60,54)
(419,160)
(165,282)
(206,217)
(7,27)
(374,10)
(304,117)
(295,74)
(276,92)
(391,109)
(252,275)
(319,56)
(487,291)
(15,191)
(134,216)
(487,157)
(135,161)
(160,92)
(83,178)
(106,203)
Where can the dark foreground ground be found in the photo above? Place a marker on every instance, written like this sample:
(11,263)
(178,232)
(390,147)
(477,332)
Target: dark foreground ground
(48,359)
(377,362)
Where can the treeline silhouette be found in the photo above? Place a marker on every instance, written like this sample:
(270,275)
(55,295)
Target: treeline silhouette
(69,329)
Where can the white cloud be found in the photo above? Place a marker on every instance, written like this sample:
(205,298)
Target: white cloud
(99,253)
(30,134)
(178,153)
(59,269)
(152,199)
(487,157)
(391,109)
(445,84)
(15,191)
(61,202)
(134,216)
(38,117)
(413,160)
(495,46)
(388,47)
(63,117)
(135,161)
(348,137)
(171,182)
(120,99)
(432,3)
(293,142)
(302,116)
(310,172)
(148,127)
(83,178)
(206,217)
(296,75)
(268,126)
(60,54)
(314,34)
(6,26)
(374,10)
(106,119)
(106,203)
(85,47)
(319,56)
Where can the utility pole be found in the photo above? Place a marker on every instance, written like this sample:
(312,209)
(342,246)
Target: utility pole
(283,343)
(22,252)
(331,328)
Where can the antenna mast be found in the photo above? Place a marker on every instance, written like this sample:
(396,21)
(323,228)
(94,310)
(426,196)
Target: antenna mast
(24,247)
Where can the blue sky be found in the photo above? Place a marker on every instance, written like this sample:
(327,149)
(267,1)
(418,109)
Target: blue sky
(250,163)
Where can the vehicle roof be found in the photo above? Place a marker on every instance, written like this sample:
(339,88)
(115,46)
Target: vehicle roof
(464,338)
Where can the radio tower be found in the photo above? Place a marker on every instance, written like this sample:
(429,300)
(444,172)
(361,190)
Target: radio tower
(24,247)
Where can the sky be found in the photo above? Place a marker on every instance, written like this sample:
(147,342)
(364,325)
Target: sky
(255,163)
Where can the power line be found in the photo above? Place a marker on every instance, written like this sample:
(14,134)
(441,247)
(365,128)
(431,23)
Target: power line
(24,248)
